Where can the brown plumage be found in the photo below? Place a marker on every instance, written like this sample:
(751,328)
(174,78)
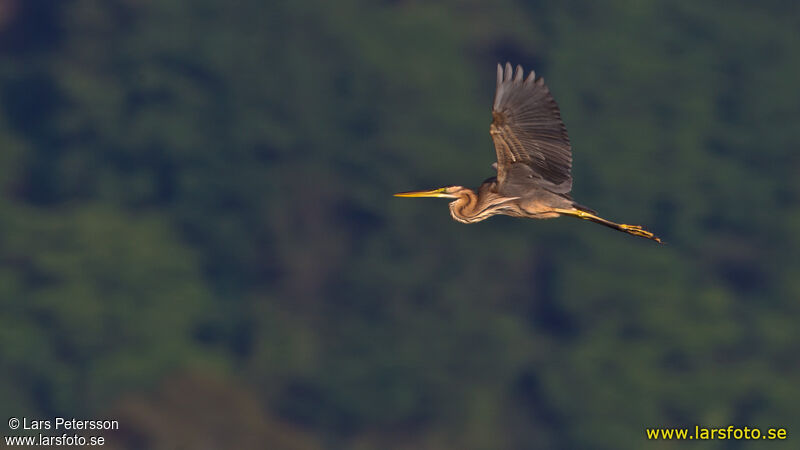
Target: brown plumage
(534,161)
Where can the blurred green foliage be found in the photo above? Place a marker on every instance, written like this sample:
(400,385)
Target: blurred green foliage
(205,187)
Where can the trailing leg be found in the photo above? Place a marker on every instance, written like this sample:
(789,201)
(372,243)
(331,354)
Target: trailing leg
(635,230)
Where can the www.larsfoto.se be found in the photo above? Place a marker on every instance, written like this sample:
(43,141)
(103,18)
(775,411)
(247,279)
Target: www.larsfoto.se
(703,433)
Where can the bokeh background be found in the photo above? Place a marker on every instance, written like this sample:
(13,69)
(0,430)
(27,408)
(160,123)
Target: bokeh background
(198,238)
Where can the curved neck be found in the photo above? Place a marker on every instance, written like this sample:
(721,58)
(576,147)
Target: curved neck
(467,208)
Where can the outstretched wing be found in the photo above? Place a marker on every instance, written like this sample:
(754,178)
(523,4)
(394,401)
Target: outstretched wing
(529,136)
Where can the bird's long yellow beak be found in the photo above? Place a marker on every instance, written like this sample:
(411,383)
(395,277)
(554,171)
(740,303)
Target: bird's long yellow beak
(441,192)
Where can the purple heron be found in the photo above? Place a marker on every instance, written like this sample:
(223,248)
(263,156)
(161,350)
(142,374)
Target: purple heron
(534,161)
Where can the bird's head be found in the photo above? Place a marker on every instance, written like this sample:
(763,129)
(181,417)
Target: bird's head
(467,205)
(443,192)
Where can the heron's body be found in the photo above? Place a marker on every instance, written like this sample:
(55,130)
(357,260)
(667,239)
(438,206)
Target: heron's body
(489,200)
(534,161)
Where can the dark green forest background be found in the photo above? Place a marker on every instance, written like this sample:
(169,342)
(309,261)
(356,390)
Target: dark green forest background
(198,238)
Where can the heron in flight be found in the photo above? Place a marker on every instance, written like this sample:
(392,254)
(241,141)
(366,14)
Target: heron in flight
(534,161)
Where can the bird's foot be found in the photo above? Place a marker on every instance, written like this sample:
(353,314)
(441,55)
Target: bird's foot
(637,230)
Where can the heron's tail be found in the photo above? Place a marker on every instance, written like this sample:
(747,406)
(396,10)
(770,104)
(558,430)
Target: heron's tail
(585,213)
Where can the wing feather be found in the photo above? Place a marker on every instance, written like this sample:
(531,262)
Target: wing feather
(527,129)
